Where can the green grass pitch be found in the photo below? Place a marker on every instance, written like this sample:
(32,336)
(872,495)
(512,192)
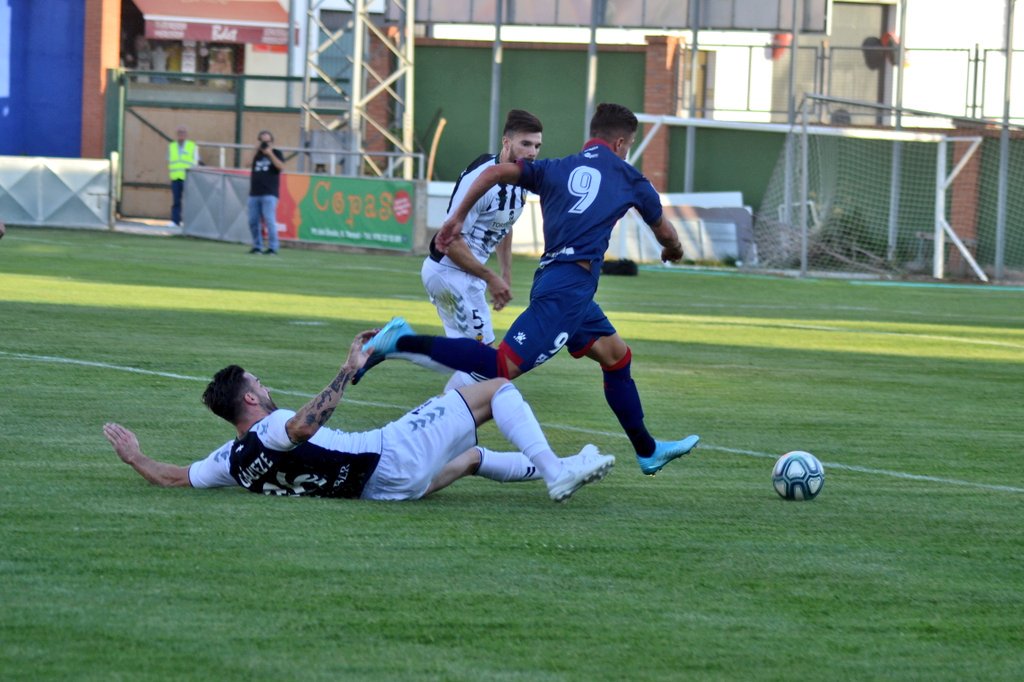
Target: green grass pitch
(909,565)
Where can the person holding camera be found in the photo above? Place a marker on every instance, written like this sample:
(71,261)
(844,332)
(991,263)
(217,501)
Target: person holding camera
(264,189)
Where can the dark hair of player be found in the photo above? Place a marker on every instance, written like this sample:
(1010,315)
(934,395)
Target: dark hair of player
(519,121)
(224,394)
(612,121)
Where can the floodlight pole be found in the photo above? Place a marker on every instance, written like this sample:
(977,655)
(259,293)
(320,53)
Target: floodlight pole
(787,211)
(895,186)
(496,59)
(1004,147)
(939,241)
(292,21)
(793,51)
(596,13)
(804,198)
(691,131)
(357,106)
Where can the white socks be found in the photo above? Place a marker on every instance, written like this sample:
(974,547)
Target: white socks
(517,423)
(506,467)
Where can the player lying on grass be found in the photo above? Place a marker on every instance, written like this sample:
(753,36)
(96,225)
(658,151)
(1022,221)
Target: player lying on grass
(582,197)
(280,452)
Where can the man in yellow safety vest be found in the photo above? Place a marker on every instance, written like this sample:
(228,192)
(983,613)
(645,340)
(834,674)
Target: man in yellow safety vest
(181,155)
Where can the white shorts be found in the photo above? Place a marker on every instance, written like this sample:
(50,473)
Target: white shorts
(461,301)
(416,447)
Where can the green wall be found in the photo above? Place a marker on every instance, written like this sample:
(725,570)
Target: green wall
(726,161)
(455,82)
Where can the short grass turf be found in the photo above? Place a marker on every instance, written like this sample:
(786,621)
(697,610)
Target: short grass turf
(909,565)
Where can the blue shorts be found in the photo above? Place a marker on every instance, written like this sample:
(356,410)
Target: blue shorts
(562,312)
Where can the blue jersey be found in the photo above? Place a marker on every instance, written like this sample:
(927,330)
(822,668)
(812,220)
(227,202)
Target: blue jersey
(582,197)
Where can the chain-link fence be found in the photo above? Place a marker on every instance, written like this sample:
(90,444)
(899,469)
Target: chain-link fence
(892,202)
(747,82)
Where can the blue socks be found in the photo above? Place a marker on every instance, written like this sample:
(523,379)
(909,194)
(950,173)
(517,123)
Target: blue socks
(622,396)
(465,355)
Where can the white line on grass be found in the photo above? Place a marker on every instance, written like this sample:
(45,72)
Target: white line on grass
(609,300)
(829,465)
(165,375)
(877,332)
(563,427)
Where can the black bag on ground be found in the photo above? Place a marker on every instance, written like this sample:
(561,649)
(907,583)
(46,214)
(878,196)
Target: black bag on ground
(623,266)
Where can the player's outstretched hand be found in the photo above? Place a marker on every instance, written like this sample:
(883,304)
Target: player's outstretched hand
(125,443)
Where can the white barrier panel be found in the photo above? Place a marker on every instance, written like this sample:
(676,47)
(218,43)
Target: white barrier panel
(723,229)
(527,235)
(215,206)
(51,192)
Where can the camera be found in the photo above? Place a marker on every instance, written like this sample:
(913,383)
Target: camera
(264,145)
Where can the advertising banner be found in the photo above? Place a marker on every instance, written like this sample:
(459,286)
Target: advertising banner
(161,29)
(365,212)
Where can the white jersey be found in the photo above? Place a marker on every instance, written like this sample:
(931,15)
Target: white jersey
(490,219)
(461,298)
(396,462)
(332,463)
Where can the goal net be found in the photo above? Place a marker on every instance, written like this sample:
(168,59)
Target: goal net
(887,203)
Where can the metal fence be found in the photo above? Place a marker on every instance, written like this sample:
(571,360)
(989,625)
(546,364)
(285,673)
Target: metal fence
(57,192)
(323,157)
(956,82)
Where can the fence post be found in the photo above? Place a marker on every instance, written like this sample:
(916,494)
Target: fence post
(1004,147)
(239,109)
(804,167)
(939,247)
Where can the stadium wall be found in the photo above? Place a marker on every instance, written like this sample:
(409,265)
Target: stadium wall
(726,161)
(454,82)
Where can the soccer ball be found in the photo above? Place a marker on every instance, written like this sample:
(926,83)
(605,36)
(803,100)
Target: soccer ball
(798,475)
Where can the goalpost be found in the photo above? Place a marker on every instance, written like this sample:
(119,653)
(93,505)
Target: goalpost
(851,196)
(872,202)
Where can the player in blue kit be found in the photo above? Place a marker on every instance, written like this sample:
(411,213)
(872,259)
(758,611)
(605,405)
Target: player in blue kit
(582,197)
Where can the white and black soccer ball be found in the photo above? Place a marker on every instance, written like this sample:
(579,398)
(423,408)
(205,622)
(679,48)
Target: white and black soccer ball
(798,475)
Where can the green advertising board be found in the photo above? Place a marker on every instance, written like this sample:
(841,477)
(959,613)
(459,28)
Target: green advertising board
(371,213)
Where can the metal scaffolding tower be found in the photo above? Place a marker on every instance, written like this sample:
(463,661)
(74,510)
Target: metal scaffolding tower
(361,114)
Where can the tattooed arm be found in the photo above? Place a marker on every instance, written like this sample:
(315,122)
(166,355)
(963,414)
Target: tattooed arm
(317,411)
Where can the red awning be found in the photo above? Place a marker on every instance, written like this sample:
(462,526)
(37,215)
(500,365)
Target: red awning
(217,21)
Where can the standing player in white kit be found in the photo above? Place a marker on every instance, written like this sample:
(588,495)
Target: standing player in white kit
(458,282)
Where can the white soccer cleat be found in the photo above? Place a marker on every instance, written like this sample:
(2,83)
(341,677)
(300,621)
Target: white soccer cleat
(588,466)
